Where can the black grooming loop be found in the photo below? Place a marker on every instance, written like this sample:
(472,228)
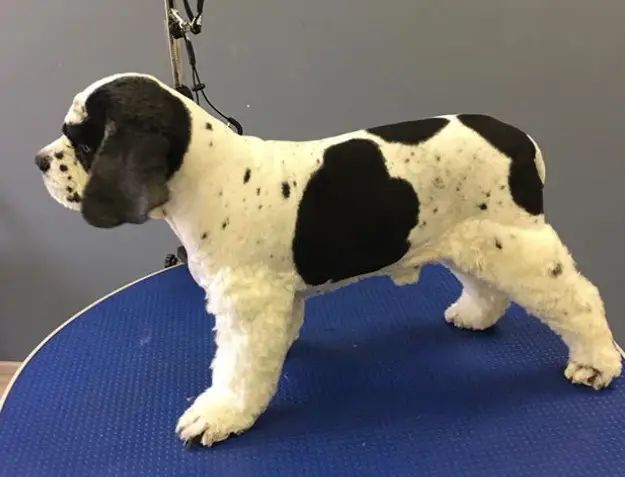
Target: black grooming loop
(178,30)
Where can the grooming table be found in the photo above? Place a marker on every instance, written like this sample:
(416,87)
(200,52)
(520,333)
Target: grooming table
(377,385)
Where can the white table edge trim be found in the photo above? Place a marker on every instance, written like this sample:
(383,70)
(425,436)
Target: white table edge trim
(64,324)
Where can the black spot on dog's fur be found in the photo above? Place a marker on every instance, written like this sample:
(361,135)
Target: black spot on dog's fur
(353,217)
(59,154)
(258,191)
(69,178)
(63,168)
(410,132)
(260,206)
(74,198)
(204,235)
(224,224)
(246,176)
(209,126)
(498,244)
(556,270)
(286,190)
(525,184)
(434,211)
(69,189)
(483,206)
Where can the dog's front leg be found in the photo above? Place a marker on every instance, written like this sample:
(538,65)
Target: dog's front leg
(252,335)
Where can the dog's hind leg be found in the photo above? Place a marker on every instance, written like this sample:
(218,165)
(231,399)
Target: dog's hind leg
(479,306)
(532,266)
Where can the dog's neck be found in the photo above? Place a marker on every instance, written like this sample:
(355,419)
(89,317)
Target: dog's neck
(217,158)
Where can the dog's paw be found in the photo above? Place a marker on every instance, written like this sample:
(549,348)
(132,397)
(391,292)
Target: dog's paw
(596,375)
(469,315)
(212,418)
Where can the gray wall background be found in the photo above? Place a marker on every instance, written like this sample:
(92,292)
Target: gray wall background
(308,69)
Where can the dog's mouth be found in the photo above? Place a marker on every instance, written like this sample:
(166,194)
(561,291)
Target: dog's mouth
(64,194)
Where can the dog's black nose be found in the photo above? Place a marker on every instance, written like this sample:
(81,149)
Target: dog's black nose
(43,162)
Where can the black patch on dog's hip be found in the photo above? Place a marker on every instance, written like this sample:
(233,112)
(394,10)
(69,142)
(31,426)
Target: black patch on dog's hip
(353,217)
(410,132)
(525,185)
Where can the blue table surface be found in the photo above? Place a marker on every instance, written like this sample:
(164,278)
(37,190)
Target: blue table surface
(378,385)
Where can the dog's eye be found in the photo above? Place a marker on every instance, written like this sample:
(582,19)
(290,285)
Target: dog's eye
(84,148)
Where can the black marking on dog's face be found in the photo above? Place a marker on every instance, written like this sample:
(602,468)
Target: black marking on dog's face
(524,182)
(63,168)
(225,224)
(204,235)
(131,142)
(353,217)
(75,197)
(286,190)
(498,244)
(483,206)
(128,179)
(246,176)
(59,155)
(410,132)
(209,126)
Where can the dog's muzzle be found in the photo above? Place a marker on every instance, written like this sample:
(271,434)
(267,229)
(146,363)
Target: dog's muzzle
(42,160)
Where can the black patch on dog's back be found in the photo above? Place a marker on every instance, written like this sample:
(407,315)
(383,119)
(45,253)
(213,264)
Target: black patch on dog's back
(524,182)
(353,217)
(410,132)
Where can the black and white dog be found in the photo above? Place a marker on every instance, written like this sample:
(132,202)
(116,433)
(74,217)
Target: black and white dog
(268,223)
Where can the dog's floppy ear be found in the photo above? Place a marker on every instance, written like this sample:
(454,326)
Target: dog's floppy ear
(128,178)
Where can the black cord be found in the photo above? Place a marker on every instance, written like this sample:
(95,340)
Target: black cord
(198,87)
(194,25)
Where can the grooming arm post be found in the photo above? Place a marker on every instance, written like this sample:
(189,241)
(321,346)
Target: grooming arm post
(175,36)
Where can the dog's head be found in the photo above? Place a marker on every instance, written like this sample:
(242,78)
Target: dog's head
(123,138)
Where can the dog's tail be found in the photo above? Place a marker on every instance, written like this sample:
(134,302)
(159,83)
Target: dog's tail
(538,159)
